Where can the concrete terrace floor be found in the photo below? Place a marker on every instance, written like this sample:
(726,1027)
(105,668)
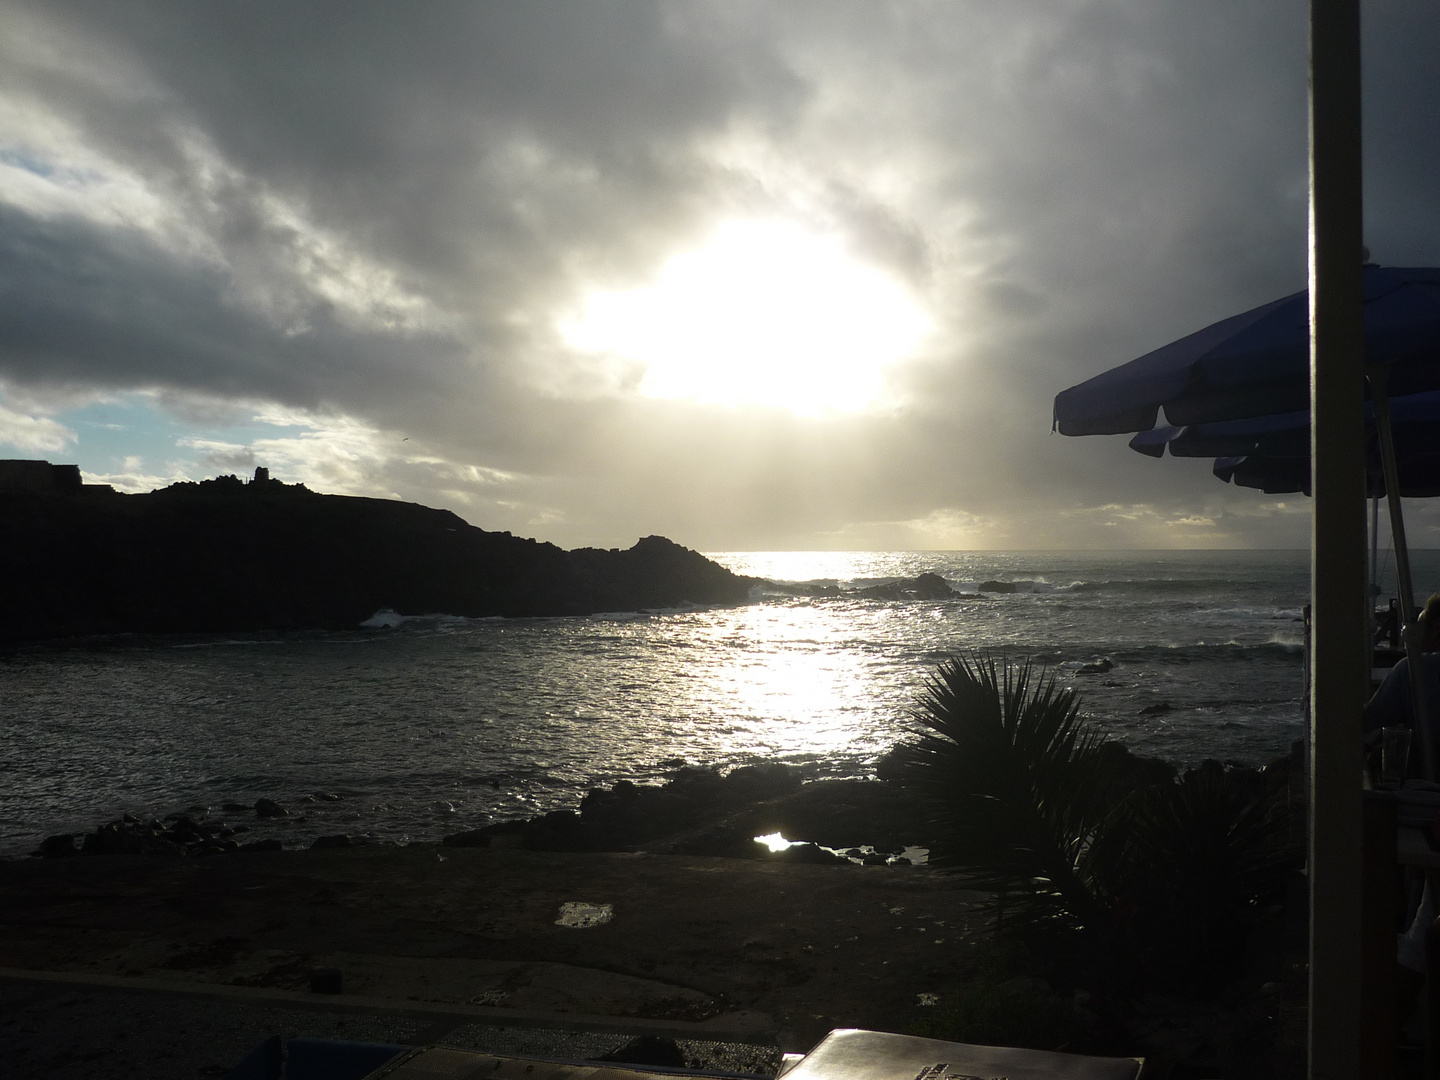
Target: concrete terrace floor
(208,956)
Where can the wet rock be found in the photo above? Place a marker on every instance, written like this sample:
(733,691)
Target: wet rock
(1157,709)
(184,830)
(235,808)
(998,587)
(106,840)
(761,780)
(61,846)
(930,586)
(1137,771)
(118,838)
(338,840)
(927,586)
(811,854)
(269,808)
(1097,667)
(700,811)
(875,858)
(559,830)
(890,764)
(270,844)
(722,841)
(894,593)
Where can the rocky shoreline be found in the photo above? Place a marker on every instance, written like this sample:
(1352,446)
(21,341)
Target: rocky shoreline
(696,811)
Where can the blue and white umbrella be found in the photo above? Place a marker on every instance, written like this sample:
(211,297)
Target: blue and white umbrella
(1272,453)
(1240,388)
(1258,363)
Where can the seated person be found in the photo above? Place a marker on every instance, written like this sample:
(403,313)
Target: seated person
(1391,705)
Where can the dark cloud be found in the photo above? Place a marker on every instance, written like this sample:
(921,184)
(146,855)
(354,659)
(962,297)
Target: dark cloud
(376,213)
(85,303)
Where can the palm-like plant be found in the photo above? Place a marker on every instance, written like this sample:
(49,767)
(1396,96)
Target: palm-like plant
(1018,789)
(1074,835)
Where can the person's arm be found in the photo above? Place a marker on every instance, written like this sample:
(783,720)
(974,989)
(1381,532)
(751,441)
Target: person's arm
(1390,705)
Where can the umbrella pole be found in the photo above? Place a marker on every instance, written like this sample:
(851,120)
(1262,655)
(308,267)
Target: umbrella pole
(1340,671)
(1374,559)
(1410,629)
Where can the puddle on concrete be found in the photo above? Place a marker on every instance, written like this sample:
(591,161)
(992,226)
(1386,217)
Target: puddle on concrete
(578,916)
(916,855)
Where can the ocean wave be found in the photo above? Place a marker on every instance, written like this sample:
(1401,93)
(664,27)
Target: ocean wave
(230,643)
(1004,586)
(1155,652)
(1159,586)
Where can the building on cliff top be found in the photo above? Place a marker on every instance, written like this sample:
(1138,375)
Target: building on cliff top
(18,475)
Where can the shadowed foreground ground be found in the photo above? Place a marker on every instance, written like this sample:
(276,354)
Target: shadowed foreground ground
(749,949)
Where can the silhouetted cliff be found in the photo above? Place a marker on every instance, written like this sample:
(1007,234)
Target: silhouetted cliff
(226,556)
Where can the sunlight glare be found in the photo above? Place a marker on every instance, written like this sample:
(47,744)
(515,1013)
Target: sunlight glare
(763,314)
(774,841)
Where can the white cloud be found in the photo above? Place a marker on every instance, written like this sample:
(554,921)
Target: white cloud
(33,434)
(132,479)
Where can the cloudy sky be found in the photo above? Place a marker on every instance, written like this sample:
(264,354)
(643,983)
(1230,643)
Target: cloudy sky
(752,275)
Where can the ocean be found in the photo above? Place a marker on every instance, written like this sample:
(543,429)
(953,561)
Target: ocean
(443,724)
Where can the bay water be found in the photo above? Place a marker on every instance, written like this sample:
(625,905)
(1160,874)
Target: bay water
(442,724)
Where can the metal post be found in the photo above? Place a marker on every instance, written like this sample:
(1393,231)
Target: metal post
(1340,673)
(1378,376)
(1374,590)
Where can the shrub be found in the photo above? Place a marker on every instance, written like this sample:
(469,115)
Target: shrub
(1132,872)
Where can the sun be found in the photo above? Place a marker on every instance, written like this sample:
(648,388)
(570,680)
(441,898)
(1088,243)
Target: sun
(763,313)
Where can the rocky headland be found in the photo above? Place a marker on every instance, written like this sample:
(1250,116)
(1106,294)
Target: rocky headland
(228,556)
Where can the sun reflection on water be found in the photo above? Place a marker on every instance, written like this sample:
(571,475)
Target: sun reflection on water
(787,679)
(810,565)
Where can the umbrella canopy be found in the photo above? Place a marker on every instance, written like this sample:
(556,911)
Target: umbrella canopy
(1415,419)
(1258,363)
(1272,453)
(1240,389)
(1418,476)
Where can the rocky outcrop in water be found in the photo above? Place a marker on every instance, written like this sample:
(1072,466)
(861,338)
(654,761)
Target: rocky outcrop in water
(926,586)
(224,556)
